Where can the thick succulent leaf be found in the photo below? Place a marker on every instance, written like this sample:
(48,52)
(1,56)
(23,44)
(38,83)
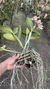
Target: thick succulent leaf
(19,32)
(34,37)
(15,30)
(2,48)
(36,32)
(9,36)
(6,29)
(27,31)
(29,22)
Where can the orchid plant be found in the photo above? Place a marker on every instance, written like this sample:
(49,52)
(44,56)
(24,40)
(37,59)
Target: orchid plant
(33,29)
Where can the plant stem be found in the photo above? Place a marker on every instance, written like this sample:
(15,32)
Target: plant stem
(10,51)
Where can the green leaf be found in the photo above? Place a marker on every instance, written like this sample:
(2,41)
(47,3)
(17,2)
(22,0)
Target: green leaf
(29,22)
(2,48)
(34,37)
(36,32)
(19,33)
(15,30)
(27,31)
(19,41)
(6,29)
(9,36)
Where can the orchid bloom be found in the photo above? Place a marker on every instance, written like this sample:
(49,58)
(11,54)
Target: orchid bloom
(37,21)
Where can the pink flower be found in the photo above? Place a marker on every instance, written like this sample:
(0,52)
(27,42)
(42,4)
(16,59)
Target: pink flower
(38,22)
(40,26)
(35,18)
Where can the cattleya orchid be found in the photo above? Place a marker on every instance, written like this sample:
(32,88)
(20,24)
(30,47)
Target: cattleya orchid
(37,20)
